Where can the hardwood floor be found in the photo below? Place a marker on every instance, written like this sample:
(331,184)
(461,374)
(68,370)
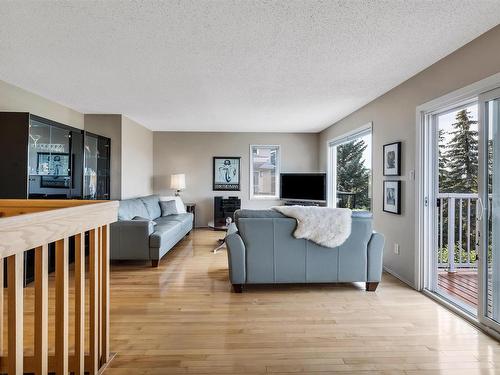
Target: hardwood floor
(183,318)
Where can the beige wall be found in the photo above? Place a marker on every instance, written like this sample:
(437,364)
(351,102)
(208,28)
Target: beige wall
(15,99)
(110,126)
(393,116)
(191,153)
(137,159)
(131,143)
(131,154)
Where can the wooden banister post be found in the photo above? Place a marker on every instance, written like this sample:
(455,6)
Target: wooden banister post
(41,309)
(15,273)
(79,363)
(105,292)
(62,307)
(1,309)
(94,302)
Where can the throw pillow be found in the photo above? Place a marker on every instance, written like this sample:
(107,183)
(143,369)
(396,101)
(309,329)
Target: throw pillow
(181,209)
(168,208)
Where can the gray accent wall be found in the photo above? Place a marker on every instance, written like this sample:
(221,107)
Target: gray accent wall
(191,153)
(393,115)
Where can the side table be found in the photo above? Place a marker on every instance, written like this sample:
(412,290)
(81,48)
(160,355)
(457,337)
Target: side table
(191,208)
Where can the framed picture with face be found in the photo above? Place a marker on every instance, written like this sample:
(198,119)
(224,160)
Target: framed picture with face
(392,159)
(392,197)
(226,173)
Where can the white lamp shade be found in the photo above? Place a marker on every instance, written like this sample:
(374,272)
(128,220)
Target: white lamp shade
(178,181)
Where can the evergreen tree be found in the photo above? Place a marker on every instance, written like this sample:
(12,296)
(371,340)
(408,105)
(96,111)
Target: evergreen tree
(444,181)
(352,174)
(462,154)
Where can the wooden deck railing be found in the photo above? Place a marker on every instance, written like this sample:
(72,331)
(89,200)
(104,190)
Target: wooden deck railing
(34,224)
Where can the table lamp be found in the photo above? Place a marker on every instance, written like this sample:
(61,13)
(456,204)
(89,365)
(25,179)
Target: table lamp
(178,182)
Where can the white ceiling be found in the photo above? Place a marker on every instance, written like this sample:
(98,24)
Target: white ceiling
(202,65)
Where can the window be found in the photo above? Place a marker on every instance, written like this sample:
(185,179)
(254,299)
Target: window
(264,171)
(350,170)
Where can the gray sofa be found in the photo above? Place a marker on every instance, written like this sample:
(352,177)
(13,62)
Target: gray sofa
(142,233)
(262,250)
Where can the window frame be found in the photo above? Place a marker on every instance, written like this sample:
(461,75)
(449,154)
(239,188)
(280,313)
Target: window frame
(278,173)
(331,176)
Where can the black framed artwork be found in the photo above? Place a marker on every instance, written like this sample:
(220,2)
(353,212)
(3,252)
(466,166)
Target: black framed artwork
(392,159)
(226,173)
(392,197)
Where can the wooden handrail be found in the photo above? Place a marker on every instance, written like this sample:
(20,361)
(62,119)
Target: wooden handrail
(34,224)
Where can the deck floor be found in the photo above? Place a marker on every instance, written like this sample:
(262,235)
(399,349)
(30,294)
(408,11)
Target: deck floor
(462,284)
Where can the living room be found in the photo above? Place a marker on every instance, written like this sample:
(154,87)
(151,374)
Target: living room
(248,187)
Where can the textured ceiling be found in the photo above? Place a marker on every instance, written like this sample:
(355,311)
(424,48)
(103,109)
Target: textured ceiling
(229,65)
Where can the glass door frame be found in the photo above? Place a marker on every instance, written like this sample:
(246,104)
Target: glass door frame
(431,185)
(483,219)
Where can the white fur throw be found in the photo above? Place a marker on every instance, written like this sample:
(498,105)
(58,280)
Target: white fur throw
(328,227)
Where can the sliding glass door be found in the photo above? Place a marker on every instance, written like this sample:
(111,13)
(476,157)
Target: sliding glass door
(489,212)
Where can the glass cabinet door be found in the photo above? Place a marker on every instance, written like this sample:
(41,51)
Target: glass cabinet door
(103,168)
(96,184)
(49,161)
(90,167)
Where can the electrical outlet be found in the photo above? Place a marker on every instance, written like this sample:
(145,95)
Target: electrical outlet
(396,248)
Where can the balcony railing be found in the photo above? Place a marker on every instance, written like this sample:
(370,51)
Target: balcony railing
(457,231)
(34,224)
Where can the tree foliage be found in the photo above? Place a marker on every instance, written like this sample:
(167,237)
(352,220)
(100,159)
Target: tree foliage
(352,174)
(461,156)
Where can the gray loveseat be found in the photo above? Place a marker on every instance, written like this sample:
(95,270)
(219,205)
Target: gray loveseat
(142,233)
(262,250)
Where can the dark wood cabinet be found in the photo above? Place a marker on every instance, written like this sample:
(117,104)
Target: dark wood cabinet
(44,159)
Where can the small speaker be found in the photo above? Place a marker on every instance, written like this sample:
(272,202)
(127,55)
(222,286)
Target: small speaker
(223,208)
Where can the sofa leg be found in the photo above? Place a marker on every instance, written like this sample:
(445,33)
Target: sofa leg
(155,263)
(238,288)
(371,286)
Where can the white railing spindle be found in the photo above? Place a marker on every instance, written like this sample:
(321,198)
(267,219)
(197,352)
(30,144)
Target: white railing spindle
(451,235)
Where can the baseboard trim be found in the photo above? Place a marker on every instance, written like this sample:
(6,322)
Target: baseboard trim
(399,277)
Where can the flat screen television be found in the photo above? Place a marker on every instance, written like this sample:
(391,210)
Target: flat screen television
(303,187)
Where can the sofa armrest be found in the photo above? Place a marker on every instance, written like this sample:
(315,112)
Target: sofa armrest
(143,226)
(130,239)
(236,257)
(375,257)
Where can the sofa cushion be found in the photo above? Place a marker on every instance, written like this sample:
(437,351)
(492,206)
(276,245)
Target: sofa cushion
(182,218)
(164,232)
(130,208)
(168,208)
(152,203)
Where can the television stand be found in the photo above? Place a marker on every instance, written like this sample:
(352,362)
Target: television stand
(304,203)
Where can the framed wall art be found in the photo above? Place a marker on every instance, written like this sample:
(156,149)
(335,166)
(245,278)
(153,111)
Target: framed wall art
(392,159)
(226,173)
(392,197)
